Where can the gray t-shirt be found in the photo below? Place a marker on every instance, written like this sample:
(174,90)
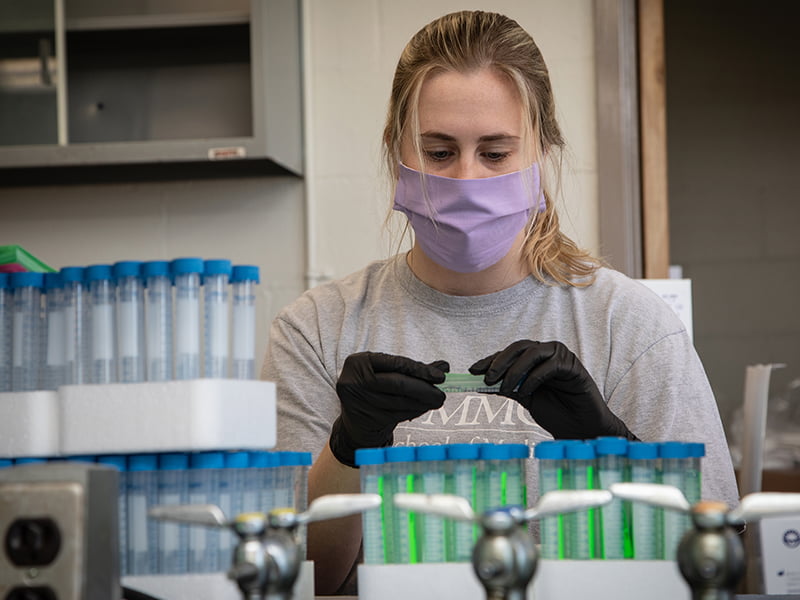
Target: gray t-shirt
(629,340)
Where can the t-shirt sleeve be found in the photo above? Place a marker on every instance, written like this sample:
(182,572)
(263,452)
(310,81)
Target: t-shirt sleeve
(679,406)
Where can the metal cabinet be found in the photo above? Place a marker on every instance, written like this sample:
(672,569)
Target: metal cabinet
(176,83)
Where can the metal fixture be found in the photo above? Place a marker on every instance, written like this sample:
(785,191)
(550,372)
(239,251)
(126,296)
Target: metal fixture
(268,556)
(711,555)
(504,557)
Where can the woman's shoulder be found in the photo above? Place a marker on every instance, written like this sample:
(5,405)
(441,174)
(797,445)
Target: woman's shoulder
(352,288)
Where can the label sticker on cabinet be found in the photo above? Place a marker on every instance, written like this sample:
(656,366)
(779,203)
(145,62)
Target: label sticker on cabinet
(226,153)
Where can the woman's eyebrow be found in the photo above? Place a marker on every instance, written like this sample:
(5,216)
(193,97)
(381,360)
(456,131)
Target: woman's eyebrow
(437,135)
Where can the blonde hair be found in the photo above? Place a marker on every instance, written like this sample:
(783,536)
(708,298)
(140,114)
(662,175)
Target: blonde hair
(466,41)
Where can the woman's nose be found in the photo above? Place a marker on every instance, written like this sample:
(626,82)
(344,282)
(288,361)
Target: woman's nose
(467,168)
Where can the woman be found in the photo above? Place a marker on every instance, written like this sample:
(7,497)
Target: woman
(490,286)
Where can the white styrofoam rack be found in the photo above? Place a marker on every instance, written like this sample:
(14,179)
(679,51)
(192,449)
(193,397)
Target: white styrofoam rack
(554,580)
(127,418)
(209,586)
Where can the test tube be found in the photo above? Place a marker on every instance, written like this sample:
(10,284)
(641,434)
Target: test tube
(158,320)
(230,489)
(55,361)
(549,457)
(466,382)
(130,321)
(186,273)
(204,473)
(101,291)
(6,331)
(120,462)
(645,520)
(215,292)
(370,463)
(432,477)
(243,281)
(259,491)
(694,472)
(674,464)
(493,477)
(26,341)
(581,533)
(142,531)
(76,324)
(463,472)
(611,468)
(400,479)
(173,488)
(516,491)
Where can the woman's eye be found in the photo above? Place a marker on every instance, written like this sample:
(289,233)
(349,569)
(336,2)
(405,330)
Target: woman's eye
(497,156)
(438,155)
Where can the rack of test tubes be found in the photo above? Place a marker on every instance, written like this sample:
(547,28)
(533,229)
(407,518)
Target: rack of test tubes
(130,321)
(620,530)
(148,366)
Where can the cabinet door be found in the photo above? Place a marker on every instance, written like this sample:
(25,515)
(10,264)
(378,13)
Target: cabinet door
(28,74)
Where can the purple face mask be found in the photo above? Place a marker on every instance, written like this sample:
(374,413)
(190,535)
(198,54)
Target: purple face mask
(467,225)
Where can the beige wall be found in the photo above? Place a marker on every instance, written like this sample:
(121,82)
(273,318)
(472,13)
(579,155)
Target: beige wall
(351,48)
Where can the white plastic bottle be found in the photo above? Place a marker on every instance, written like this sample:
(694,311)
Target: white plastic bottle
(216,275)
(76,324)
(142,531)
(103,349)
(120,461)
(463,469)
(129,321)
(581,531)
(674,465)
(549,457)
(432,477)
(54,367)
(370,462)
(26,345)
(186,273)
(204,474)
(173,538)
(243,332)
(611,468)
(645,520)
(158,320)
(6,331)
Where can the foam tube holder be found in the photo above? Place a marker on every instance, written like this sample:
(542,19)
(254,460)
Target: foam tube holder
(29,424)
(554,580)
(171,416)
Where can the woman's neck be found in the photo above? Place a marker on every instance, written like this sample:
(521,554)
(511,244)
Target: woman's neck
(508,272)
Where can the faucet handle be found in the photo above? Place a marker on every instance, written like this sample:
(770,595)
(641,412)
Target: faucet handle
(758,505)
(209,515)
(654,494)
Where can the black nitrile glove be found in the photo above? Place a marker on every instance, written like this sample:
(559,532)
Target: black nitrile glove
(378,391)
(549,380)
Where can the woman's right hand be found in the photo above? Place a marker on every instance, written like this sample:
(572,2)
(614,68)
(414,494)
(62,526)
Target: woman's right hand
(377,391)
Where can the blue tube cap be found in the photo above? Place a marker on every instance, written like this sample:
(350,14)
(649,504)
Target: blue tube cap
(120,461)
(616,446)
(400,454)
(428,453)
(495,452)
(219,266)
(182,266)
(549,450)
(674,450)
(155,268)
(580,451)
(370,456)
(697,449)
(237,460)
(73,274)
(27,279)
(52,281)
(127,268)
(463,451)
(207,460)
(98,273)
(173,461)
(245,273)
(642,450)
(143,462)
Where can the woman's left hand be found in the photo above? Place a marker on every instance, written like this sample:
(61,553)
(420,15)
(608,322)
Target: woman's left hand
(556,389)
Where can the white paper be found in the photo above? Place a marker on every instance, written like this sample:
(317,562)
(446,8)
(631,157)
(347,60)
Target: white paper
(677,293)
